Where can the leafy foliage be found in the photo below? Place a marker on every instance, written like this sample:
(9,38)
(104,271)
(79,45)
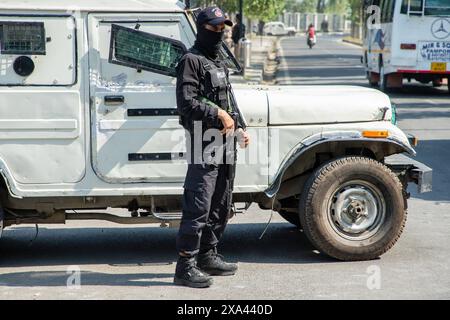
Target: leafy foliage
(337,6)
(264,10)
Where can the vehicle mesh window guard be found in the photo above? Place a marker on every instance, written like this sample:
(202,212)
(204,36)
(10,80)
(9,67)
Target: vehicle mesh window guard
(22,38)
(146,51)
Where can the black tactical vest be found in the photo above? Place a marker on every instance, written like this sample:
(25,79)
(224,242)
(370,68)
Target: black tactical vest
(215,86)
(215,89)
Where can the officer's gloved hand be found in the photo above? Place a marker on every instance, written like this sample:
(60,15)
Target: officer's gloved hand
(227,122)
(243,138)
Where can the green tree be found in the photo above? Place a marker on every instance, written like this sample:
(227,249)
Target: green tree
(321,6)
(293,5)
(308,6)
(264,10)
(357,18)
(337,6)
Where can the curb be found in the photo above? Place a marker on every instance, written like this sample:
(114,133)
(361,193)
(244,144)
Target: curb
(265,72)
(353,41)
(271,63)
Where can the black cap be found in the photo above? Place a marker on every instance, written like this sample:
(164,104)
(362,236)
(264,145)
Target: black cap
(213,16)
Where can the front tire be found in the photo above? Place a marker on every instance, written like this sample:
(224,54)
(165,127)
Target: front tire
(291,217)
(2,221)
(353,209)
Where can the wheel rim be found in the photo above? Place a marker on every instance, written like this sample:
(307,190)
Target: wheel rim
(356,210)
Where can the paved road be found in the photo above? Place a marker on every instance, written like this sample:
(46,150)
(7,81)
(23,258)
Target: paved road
(331,62)
(138,262)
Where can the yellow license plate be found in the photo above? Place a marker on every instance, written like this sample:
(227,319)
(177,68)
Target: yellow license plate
(438,66)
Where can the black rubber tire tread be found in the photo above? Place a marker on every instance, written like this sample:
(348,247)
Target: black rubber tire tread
(291,217)
(339,171)
(371,82)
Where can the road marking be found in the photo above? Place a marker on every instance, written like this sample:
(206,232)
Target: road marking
(286,74)
(431,101)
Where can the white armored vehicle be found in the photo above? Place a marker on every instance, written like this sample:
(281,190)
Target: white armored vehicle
(88,121)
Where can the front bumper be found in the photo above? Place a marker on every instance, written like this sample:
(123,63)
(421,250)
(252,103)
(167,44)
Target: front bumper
(414,170)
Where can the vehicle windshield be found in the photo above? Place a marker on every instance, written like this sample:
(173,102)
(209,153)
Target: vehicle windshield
(432,7)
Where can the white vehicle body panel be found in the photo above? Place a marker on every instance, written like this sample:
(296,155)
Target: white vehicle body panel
(62,140)
(42,125)
(321,105)
(111,126)
(432,46)
(277,29)
(94,6)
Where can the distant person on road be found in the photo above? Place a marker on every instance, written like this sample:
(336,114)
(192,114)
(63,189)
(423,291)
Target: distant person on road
(237,34)
(311,33)
(324,25)
(228,36)
(311,36)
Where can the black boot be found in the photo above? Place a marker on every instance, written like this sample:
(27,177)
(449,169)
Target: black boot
(187,274)
(212,263)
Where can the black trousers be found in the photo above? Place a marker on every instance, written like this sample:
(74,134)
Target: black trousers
(206,206)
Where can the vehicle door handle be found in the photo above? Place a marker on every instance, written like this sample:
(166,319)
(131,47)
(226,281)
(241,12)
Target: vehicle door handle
(114,100)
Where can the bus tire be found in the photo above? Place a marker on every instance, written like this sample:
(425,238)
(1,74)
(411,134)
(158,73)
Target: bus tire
(366,191)
(372,79)
(437,83)
(383,80)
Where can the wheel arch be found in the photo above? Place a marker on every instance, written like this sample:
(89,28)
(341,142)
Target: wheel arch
(7,182)
(310,154)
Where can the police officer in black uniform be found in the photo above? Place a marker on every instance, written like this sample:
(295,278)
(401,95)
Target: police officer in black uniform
(206,102)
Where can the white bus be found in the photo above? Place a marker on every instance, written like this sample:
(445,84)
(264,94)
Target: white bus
(411,41)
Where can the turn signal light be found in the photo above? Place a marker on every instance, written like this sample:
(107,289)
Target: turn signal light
(375,134)
(413,140)
(408,46)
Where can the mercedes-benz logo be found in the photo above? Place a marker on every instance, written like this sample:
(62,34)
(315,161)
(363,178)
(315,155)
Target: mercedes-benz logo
(441,28)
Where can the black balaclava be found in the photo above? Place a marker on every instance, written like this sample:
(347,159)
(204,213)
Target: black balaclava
(209,42)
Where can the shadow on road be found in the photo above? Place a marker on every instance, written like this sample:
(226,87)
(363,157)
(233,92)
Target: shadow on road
(435,154)
(320,57)
(149,246)
(60,279)
(302,74)
(415,90)
(426,114)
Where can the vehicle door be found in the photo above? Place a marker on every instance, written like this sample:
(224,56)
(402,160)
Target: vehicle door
(42,138)
(136,135)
